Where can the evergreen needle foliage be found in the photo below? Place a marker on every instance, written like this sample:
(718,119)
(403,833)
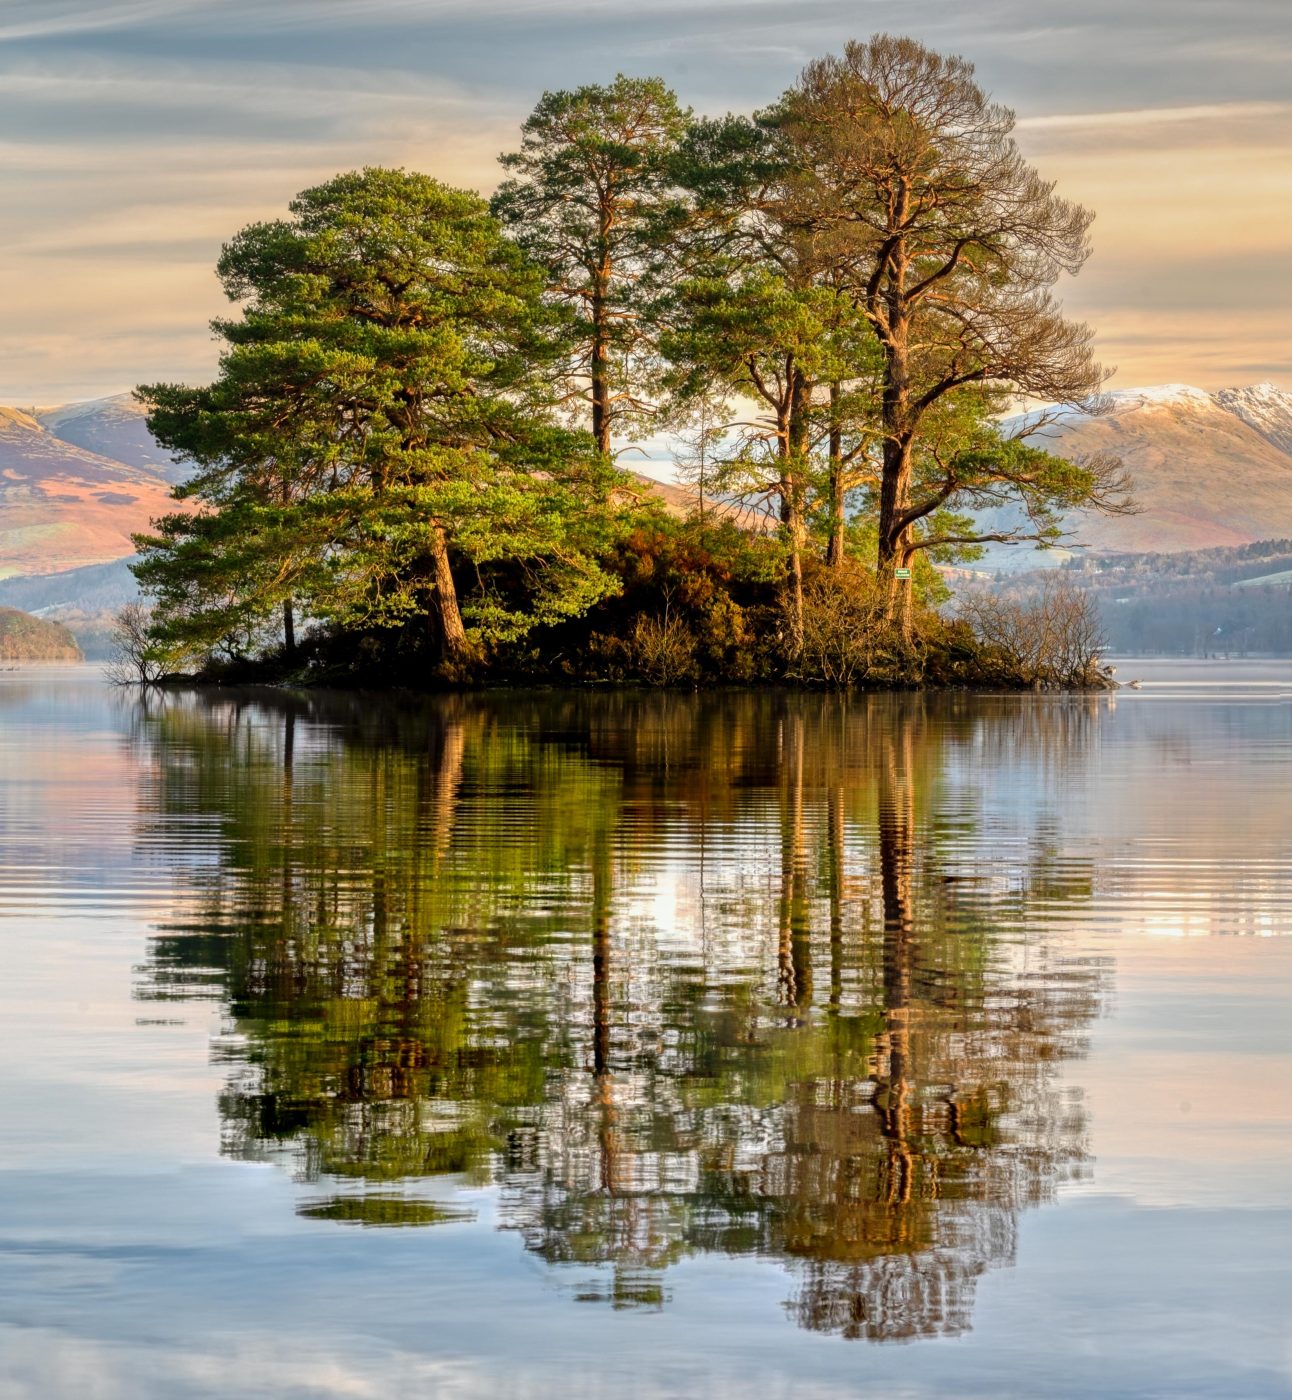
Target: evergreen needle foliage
(382,415)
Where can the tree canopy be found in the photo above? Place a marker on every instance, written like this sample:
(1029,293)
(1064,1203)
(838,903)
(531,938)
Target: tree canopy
(587,192)
(409,446)
(381,408)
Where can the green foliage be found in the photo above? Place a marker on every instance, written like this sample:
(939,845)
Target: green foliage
(695,603)
(381,401)
(587,198)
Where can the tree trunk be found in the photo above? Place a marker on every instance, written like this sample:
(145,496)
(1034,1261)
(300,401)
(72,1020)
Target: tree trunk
(894,542)
(795,536)
(895,553)
(894,491)
(793,502)
(445,614)
(599,367)
(834,549)
(289,630)
(600,374)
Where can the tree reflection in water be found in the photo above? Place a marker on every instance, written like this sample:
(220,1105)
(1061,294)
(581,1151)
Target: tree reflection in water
(747,973)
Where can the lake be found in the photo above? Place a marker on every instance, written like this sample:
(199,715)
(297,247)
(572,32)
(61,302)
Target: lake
(530,1045)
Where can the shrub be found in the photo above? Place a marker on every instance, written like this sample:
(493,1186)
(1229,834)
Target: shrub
(1051,637)
(662,650)
(846,639)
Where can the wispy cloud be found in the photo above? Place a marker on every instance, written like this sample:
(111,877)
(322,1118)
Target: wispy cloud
(140,134)
(42,19)
(1120,120)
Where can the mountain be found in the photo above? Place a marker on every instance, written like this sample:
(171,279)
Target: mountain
(1207,469)
(114,427)
(63,505)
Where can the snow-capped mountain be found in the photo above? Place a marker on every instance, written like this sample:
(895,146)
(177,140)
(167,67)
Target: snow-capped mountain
(1207,469)
(1265,407)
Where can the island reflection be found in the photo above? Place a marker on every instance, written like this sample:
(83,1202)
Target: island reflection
(672,974)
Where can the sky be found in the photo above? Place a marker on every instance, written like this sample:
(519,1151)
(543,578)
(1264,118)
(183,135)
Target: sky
(136,136)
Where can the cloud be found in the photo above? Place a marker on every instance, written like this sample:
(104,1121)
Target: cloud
(41,19)
(1222,113)
(140,134)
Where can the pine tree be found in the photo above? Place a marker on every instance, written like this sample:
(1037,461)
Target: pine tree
(589,188)
(380,425)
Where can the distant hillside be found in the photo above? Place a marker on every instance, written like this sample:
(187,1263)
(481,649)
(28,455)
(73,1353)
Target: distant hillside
(27,638)
(1208,469)
(1227,601)
(63,506)
(97,586)
(115,428)
(84,600)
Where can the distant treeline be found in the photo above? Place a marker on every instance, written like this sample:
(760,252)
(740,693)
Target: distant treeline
(1223,564)
(1206,602)
(406,468)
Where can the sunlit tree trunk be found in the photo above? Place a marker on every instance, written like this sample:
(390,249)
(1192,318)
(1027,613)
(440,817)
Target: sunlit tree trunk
(445,614)
(794,459)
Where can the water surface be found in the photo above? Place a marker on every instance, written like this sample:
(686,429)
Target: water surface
(664,1045)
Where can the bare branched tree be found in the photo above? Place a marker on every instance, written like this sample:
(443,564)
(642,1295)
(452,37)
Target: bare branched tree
(1050,637)
(134,660)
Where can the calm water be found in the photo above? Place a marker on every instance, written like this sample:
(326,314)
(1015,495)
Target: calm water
(647,1046)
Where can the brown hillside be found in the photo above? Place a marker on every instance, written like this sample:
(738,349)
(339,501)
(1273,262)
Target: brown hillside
(27,638)
(1204,475)
(61,506)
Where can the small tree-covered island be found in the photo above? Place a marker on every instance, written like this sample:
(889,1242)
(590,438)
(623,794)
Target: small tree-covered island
(409,470)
